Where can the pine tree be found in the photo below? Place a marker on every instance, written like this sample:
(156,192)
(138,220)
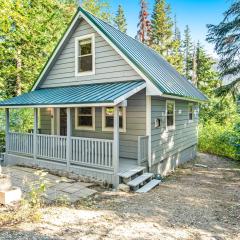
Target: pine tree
(120,20)
(163,40)
(226,36)
(177,33)
(187,47)
(144,25)
(207,79)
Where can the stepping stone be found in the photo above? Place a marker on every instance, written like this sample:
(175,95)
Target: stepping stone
(85,192)
(150,185)
(137,181)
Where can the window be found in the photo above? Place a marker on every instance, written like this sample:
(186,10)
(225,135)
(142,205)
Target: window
(170,114)
(108,119)
(190,112)
(85,118)
(85,55)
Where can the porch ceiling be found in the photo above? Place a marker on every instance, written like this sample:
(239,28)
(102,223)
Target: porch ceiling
(104,94)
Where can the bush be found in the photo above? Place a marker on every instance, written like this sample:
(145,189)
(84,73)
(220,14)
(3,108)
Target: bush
(220,139)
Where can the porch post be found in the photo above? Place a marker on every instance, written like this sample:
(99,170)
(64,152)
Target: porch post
(7,130)
(68,142)
(116,146)
(35,129)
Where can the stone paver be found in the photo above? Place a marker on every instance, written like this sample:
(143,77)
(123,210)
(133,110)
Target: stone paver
(58,188)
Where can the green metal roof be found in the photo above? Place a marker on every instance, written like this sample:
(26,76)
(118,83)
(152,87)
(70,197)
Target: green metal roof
(153,65)
(82,94)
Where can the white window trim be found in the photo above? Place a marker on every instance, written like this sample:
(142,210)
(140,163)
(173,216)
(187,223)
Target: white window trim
(110,129)
(77,39)
(169,128)
(193,114)
(87,128)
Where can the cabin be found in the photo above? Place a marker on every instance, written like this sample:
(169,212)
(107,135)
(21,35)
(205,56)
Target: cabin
(107,107)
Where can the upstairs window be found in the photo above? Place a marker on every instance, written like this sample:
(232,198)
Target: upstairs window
(170,114)
(108,119)
(85,55)
(85,118)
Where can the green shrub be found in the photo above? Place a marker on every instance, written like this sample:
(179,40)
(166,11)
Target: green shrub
(220,139)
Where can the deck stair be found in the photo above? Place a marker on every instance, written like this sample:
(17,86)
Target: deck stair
(138,180)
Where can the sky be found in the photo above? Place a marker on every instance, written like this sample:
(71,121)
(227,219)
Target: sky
(195,13)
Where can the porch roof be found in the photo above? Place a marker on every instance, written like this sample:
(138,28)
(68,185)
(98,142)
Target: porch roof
(102,94)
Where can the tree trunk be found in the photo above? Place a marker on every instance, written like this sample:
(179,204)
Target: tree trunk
(18,89)
(194,74)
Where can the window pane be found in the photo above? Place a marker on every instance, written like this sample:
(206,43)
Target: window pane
(190,116)
(170,108)
(85,121)
(85,47)
(110,122)
(85,110)
(85,64)
(170,121)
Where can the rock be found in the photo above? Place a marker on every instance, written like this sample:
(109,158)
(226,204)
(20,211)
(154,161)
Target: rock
(200,165)
(123,187)
(5,182)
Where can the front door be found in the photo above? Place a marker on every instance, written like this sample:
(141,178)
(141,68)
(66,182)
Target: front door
(63,122)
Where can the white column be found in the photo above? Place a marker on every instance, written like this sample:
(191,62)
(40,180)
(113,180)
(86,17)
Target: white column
(7,130)
(69,133)
(116,146)
(35,129)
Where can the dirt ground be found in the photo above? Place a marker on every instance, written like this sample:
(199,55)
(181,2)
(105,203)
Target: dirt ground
(192,203)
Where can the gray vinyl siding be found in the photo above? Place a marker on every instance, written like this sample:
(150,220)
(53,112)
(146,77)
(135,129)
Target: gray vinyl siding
(168,143)
(45,121)
(135,120)
(110,66)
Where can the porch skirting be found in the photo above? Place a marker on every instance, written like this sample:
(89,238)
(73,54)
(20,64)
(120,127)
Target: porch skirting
(94,173)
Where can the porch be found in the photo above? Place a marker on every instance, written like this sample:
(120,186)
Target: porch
(85,152)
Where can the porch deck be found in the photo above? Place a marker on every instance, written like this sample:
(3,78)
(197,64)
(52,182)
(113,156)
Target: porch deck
(84,156)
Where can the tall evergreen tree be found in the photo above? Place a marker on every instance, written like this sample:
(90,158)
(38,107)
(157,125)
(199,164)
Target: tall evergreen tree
(187,47)
(207,79)
(144,25)
(162,37)
(226,36)
(177,33)
(120,20)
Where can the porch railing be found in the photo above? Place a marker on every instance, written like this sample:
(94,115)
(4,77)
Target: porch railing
(84,151)
(21,143)
(91,151)
(142,149)
(51,146)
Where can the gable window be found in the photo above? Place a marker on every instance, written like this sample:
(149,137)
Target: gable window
(170,114)
(85,55)
(190,112)
(108,119)
(85,118)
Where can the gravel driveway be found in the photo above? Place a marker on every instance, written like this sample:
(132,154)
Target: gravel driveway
(193,203)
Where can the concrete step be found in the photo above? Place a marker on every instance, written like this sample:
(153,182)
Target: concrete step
(139,180)
(150,185)
(132,172)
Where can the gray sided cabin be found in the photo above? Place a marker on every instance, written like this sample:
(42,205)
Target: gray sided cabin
(104,104)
